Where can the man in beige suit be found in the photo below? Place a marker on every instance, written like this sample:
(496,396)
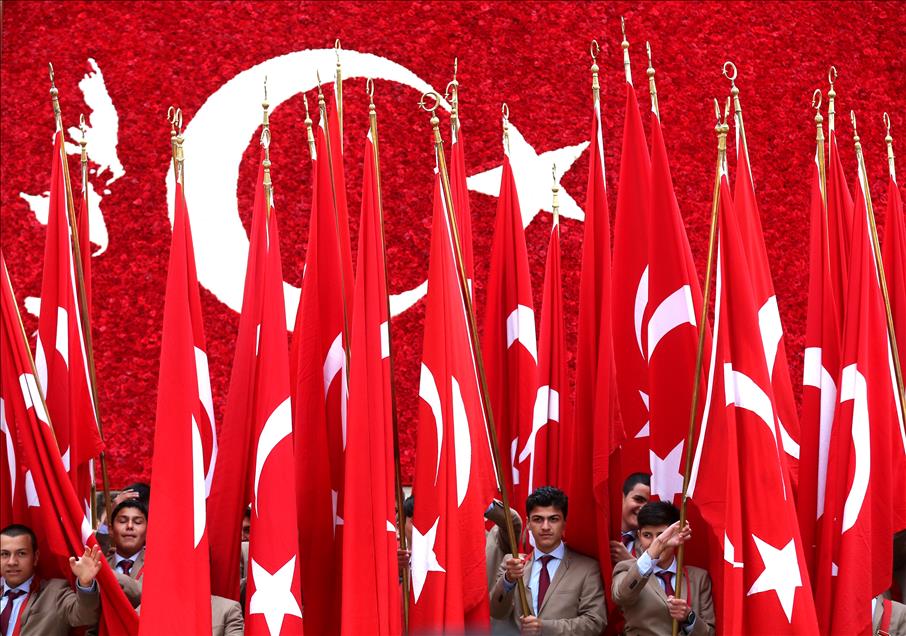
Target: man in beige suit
(888,618)
(128,532)
(564,587)
(644,588)
(636,493)
(33,607)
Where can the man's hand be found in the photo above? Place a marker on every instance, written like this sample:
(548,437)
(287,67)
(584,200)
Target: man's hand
(672,537)
(515,568)
(530,625)
(125,495)
(87,566)
(679,609)
(618,552)
(403,556)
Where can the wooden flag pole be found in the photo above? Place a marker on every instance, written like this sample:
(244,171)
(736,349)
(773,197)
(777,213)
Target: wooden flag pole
(81,298)
(322,110)
(876,247)
(473,330)
(722,129)
(266,164)
(309,134)
(338,87)
(398,479)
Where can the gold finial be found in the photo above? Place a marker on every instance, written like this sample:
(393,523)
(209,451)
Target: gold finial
(852,118)
(54,98)
(426,106)
(505,111)
(452,94)
(174,118)
(555,189)
(722,128)
(734,90)
(595,86)
(337,48)
(266,164)
(308,129)
(84,142)
(889,139)
(338,92)
(831,94)
(265,105)
(817,100)
(369,89)
(625,45)
(178,156)
(652,87)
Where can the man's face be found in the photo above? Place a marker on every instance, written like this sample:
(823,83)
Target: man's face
(129,529)
(648,534)
(546,525)
(18,559)
(246,528)
(632,503)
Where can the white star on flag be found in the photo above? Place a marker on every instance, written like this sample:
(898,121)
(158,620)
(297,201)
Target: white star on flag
(533,177)
(423,558)
(273,596)
(666,478)
(781,574)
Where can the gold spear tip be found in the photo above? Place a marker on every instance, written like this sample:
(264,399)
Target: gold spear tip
(84,128)
(337,48)
(817,100)
(594,49)
(369,89)
(264,104)
(556,186)
(852,118)
(831,78)
(318,79)
(53,87)
(886,119)
(625,43)
(650,71)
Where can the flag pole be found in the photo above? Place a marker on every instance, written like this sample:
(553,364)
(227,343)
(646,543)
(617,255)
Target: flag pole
(652,88)
(266,145)
(889,141)
(876,246)
(322,110)
(338,87)
(310,134)
(722,129)
(473,331)
(452,93)
(398,478)
(625,46)
(831,94)
(80,292)
(819,120)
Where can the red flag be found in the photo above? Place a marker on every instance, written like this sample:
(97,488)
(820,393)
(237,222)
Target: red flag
(630,289)
(320,398)
(54,510)
(867,453)
(510,346)
(461,204)
(839,222)
(273,590)
(765,583)
(179,532)
(453,482)
(672,314)
(543,438)
(771,330)
(61,356)
(231,488)
(894,258)
(371,590)
(593,437)
(820,369)
(83,224)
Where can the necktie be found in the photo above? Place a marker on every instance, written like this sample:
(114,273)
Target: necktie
(544,581)
(665,576)
(627,539)
(6,614)
(126,566)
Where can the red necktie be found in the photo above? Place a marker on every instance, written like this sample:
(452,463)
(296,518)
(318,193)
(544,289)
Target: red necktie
(6,614)
(126,566)
(665,576)
(544,581)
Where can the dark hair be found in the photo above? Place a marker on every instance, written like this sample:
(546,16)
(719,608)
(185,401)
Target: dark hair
(545,496)
(138,504)
(19,530)
(634,480)
(658,513)
(247,513)
(143,490)
(409,507)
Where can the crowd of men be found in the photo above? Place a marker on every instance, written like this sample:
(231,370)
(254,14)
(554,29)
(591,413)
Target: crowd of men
(564,588)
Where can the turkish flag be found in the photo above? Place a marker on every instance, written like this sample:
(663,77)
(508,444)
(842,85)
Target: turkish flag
(61,355)
(371,590)
(867,452)
(894,259)
(509,343)
(839,222)
(54,511)
(821,368)
(770,327)
(454,480)
(320,393)
(461,203)
(179,532)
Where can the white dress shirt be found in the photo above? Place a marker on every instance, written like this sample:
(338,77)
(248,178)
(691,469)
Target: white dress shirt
(117,558)
(25,586)
(535,577)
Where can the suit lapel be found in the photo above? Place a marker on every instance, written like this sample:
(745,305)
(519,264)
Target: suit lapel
(139,564)
(560,574)
(656,584)
(32,598)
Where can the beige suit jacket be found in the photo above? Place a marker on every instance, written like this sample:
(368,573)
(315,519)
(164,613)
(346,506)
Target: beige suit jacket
(226,617)
(573,604)
(55,607)
(897,618)
(131,583)
(644,602)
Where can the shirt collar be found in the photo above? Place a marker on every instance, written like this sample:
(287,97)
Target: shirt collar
(25,586)
(118,557)
(671,569)
(558,553)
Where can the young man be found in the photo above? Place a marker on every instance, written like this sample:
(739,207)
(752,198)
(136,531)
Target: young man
(129,528)
(33,607)
(644,588)
(636,493)
(564,587)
